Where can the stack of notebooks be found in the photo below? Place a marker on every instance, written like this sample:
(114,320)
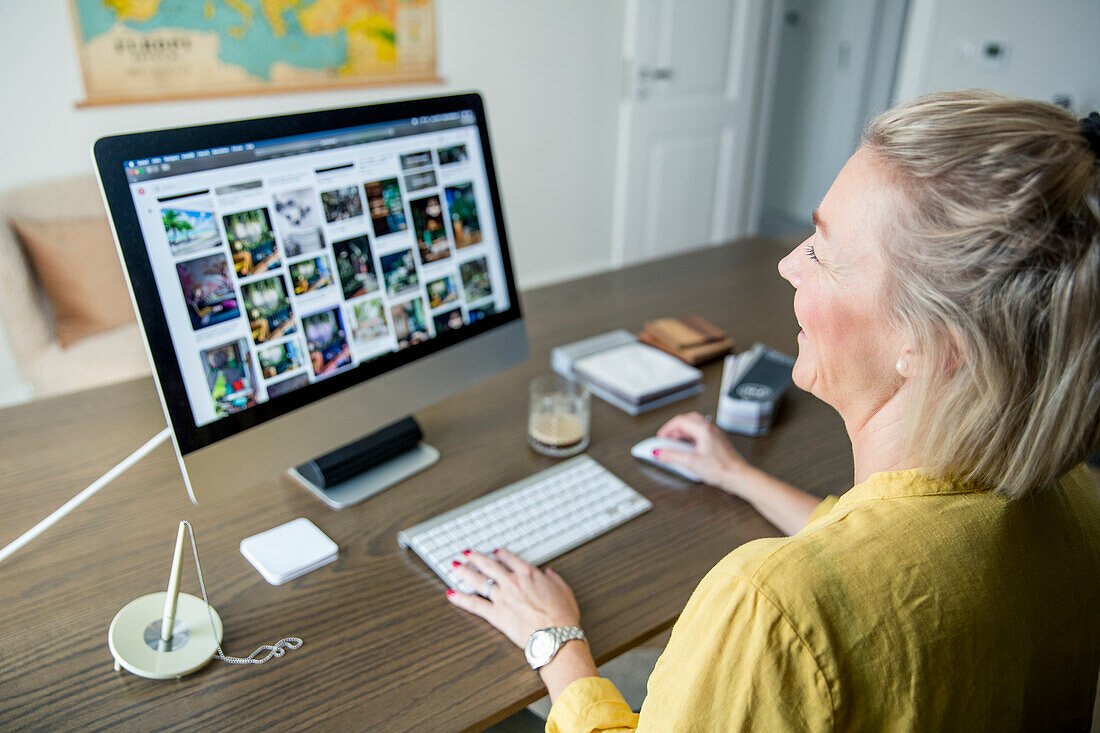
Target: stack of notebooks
(619,369)
(752,384)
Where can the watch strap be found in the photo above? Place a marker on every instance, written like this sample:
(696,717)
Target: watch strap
(568,633)
(561,634)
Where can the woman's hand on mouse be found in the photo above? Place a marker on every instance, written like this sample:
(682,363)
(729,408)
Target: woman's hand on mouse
(714,460)
(522,598)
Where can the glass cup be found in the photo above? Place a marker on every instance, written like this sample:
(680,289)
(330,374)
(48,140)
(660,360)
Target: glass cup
(557,422)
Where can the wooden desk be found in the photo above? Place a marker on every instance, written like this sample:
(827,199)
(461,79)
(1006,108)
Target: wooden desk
(383,650)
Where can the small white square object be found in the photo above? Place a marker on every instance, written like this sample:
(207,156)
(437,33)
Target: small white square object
(289,550)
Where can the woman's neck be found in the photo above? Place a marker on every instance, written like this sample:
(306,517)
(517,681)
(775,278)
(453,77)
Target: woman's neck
(878,436)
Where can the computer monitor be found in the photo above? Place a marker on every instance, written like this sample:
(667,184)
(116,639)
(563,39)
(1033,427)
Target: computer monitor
(304,280)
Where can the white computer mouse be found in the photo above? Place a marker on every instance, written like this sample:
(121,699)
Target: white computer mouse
(644,451)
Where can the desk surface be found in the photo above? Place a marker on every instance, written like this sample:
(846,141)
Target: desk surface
(383,650)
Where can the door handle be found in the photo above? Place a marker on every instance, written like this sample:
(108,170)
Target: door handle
(649,73)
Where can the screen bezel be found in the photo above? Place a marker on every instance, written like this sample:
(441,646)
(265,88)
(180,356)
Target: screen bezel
(111,153)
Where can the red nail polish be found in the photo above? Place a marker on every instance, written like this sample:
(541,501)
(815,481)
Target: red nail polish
(657,453)
(450,592)
(496,551)
(456,563)
(466,553)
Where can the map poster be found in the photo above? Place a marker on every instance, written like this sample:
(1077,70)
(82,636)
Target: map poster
(150,50)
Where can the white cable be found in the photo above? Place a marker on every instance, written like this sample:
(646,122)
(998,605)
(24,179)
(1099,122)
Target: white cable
(79,499)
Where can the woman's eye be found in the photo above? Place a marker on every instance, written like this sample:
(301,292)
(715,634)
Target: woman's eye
(809,249)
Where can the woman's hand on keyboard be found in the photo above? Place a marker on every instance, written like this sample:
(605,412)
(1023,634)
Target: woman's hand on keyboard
(714,460)
(522,598)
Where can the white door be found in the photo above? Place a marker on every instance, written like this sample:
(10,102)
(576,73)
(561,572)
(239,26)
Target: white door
(834,72)
(693,75)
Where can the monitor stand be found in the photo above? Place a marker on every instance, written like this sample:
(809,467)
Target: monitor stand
(361,469)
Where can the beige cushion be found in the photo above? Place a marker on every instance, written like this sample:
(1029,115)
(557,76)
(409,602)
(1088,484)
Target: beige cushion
(77,266)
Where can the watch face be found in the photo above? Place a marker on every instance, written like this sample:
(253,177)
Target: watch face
(542,644)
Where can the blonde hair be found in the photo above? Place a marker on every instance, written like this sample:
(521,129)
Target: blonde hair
(995,276)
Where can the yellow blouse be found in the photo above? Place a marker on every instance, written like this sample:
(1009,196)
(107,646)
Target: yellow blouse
(906,604)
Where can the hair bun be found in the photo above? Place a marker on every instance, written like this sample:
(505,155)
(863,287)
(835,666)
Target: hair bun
(1090,128)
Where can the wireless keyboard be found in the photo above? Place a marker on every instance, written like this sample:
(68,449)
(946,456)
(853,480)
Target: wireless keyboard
(538,518)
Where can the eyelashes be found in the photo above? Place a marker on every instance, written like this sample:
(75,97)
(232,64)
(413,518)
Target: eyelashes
(809,250)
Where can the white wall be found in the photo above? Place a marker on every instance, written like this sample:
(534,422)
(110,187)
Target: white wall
(549,71)
(1052,48)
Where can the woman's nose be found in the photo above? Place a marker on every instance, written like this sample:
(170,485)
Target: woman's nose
(788,267)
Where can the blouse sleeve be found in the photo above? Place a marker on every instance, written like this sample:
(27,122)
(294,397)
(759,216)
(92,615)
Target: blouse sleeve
(823,508)
(591,704)
(734,662)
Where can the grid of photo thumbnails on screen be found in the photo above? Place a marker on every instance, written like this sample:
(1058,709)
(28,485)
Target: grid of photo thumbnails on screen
(278,273)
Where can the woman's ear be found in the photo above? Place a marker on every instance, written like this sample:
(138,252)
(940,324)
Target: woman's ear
(954,352)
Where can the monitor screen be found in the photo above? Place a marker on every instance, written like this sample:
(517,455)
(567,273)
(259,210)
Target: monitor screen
(275,262)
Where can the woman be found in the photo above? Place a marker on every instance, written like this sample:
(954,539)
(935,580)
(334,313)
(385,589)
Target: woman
(949,301)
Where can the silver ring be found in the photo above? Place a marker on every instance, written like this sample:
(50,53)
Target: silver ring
(489,583)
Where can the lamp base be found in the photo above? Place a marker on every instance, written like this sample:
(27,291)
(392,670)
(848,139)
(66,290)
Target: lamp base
(134,637)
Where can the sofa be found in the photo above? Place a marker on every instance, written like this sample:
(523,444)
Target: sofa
(50,356)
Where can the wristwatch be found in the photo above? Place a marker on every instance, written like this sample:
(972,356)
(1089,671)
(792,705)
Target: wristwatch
(543,644)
